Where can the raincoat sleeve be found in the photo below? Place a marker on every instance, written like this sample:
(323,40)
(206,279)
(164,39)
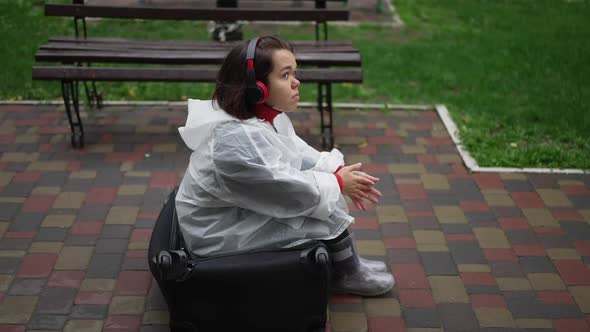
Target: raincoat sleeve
(251,175)
(319,161)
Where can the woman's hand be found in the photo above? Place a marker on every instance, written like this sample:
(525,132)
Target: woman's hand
(358,185)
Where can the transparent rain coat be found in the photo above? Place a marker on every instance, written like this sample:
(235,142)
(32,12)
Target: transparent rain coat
(252,185)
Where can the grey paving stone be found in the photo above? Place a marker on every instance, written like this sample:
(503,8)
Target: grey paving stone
(423,222)
(458,317)
(438,263)
(476,219)
(9,210)
(466,252)
(111,246)
(81,240)
(15,244)
(438,197)
(27,286)
(89,311)
(93,212)
(18,189)
(47,322)
(506,211)
(526,307)
(536,264)
(580,201)
(109,176)
(9,265)
(465,189)
(575,230)
(51,234)
(367,234)
(402,256)
(543,180)
(390,198)
(456,229)
(56,301)
(421,317)
(417,205)
(481,289)
(396,230)
(135,264)
(550,241)
(104,265)
(521,237)
(439,168)
(26,222)
(131,200)
(518,186)
(51,179)
(506,269)
(145,223)
(78,185)
(116,231)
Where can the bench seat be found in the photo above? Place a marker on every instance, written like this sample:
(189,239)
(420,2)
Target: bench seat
(178,74)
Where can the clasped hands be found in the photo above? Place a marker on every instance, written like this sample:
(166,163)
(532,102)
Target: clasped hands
(359,186)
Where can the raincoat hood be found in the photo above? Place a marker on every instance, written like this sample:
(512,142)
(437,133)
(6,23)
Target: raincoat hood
(203,116)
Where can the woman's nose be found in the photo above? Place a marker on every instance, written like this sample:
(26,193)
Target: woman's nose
(296,83)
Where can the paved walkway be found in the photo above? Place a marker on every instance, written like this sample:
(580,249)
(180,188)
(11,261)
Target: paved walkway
(493,252)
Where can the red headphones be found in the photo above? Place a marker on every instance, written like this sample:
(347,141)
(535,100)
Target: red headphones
(256,91)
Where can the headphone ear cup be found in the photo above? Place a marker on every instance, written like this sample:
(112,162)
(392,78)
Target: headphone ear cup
(263,92)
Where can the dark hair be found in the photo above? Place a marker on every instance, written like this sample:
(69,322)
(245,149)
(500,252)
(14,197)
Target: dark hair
(230,88)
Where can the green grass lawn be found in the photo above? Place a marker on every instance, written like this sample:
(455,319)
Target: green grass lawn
(514,74)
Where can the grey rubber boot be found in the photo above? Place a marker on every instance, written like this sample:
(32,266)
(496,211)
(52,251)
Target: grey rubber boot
(352,277)
(373,265)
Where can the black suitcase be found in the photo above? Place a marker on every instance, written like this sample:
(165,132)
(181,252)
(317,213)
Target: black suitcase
(284,290)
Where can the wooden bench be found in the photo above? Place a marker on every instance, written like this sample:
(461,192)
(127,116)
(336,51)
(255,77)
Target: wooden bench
(182,61)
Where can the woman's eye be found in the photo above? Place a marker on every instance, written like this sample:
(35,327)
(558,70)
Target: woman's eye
(286,75)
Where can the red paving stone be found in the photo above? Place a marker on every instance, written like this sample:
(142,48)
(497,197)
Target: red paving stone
(38,203)
(416,298)
(69,279)
(133,283)
(88,297)
(101,195)
(37,266)
(555,297)
(570,325)
(410,276)
(86,228)
(573,272)
(386,324)
(487,301)
(118,323)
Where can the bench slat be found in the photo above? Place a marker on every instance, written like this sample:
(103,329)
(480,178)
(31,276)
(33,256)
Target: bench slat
(222,14)
(178,74)
(184,57)
(171,47)
(190,43)
(213,3)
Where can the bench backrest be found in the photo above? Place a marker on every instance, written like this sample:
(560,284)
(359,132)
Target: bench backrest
(147,10)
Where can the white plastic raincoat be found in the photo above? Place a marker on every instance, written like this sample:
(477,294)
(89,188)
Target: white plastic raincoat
(252,185)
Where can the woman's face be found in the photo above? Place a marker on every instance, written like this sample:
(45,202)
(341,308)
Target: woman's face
(283,87)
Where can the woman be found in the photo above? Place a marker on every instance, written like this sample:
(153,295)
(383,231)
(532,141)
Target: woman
(253,183)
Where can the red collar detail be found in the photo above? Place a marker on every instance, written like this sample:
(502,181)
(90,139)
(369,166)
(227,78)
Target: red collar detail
(266,113)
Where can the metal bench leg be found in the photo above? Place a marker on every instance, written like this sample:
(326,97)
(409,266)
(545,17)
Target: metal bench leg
(93,97)
(71,98)
(326,118)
